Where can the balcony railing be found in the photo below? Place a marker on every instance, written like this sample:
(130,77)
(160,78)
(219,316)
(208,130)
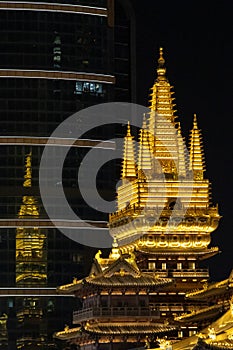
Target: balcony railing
(85,314)
(180,272)
(190,273)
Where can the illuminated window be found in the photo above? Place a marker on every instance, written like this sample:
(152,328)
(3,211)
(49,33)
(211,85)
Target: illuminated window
(164,266)
(57,51)
(179,266)
(10,303)
(192,265)
(192,333)
(151,265)
(78,87)
(180,334)
(86,87)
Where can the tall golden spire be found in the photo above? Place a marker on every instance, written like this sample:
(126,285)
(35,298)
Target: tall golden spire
(129,168)
(197,162)
(161,94)
(162,122)
(144,152)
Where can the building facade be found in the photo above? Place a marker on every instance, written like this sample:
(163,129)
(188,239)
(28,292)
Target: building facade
(162,230)
(56,58)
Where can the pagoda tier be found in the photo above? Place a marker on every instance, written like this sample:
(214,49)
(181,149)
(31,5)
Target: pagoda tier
(115,303)
(112,336)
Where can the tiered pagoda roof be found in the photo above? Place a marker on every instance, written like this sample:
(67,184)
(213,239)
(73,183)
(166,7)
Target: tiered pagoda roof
(117,271)
(164,191)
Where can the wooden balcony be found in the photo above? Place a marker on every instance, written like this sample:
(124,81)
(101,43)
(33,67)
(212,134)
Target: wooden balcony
(85,314)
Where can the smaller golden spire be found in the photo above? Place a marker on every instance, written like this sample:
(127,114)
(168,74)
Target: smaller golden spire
(195,121)
(145,151)
(129,164)
(197,162)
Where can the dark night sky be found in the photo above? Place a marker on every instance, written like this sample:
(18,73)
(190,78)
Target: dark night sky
(197,41)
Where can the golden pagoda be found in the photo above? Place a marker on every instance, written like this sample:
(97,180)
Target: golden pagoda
(31,270)
(162,231)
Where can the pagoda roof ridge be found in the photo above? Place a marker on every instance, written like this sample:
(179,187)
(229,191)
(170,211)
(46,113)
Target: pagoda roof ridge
(129,266)
(198,314)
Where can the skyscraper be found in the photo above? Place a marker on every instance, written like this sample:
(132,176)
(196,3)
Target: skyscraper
(56,58)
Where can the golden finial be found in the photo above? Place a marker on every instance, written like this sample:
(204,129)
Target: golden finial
(128,129)
(195,121)
(161,70)
(161,59)
(115,253)
(28,171)
(115,244)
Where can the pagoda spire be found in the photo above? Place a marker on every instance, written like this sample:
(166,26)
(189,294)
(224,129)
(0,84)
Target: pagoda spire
(129,168)
(144,152)
(196,154)
(162,123)
(161,95)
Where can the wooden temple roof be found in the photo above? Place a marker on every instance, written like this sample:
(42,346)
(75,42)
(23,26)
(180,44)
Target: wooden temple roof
(219,335)
(212,289)
(89,330)
(121,272)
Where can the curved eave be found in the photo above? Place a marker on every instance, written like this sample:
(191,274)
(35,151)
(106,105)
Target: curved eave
(68,334)
(203,254)
(214,290)
(109,282)
(130,329)
(200,315)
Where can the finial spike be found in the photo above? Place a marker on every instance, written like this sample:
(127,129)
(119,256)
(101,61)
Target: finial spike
(161,70)
(161,59)
(195,121)
(115,244)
